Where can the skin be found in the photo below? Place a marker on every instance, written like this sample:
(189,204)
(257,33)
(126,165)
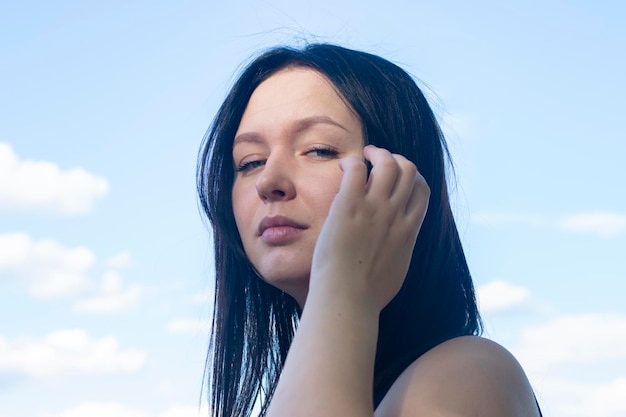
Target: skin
(344,256)
(287,150)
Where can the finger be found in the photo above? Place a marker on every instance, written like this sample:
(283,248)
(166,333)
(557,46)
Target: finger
(384,174)
(354,177)
(405,182)
(417,204)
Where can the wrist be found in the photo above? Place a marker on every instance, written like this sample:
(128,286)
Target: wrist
(342,292)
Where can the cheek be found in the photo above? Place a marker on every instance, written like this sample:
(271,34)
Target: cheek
(325,191)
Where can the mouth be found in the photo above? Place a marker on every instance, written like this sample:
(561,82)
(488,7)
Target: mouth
(279,229)
(279,221)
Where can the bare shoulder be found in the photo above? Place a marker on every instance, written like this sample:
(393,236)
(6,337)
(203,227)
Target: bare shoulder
(464,376)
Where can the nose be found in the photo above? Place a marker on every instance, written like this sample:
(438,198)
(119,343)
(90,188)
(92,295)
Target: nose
(275,182)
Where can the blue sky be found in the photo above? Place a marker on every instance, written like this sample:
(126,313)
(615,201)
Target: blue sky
(105,262)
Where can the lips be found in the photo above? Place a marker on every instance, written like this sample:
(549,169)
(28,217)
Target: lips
(279,221)
(279,230)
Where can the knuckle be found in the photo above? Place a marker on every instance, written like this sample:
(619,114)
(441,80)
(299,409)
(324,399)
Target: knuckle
(408,167)
(421,184)
(424,187)
(389,163)
(358,166)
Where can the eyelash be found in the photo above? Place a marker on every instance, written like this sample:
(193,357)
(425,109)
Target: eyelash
(324,152)
(246,166)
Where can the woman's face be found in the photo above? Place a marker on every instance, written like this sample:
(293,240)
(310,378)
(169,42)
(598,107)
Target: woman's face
(286,152)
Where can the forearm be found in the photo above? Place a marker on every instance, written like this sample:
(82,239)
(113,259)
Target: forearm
(359,264)
(329,369)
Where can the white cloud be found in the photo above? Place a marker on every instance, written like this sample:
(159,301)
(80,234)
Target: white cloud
(67,352)
(573,339)
(604,224)
(99,409)
(28,184)
(601,223)
(606,399)
(578,398)
(110,409)
(110,303)
(112,297)
(500,296)
(48,268)
(120,260)
(178,410)
(111,282)
(188,326)
(575,364)
(501,219)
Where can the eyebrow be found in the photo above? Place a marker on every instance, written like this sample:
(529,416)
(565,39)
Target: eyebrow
(308,122)
(297,127)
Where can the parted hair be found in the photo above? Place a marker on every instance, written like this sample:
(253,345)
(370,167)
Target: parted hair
(253,322)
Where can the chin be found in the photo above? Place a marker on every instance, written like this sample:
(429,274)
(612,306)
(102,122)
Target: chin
(295,286)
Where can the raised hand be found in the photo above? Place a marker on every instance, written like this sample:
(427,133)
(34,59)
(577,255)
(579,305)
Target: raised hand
(365,247)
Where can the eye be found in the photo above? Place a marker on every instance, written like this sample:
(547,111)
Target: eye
(323,152)
(249,165)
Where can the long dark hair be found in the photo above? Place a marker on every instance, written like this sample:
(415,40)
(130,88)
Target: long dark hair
(253,322)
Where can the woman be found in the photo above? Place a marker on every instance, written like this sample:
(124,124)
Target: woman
(323,178)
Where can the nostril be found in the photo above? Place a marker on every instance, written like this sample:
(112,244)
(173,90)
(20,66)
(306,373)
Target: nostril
(274,184)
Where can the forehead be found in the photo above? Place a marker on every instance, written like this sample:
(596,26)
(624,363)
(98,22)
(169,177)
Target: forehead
(293,93)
